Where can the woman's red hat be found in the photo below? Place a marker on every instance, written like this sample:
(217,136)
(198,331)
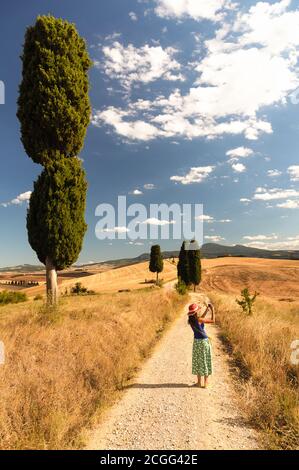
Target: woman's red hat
(193,309)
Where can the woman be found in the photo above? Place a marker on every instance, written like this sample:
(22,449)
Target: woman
(201,354)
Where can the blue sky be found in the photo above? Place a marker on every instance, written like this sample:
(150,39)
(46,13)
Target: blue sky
(193,102)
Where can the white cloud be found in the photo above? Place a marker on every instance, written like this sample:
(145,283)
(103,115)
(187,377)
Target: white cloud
(264,194)
(239,152)
(136,192)
(195,175)
(290,243)
(238,167)
(205,218)
(214,238)
(149,186)
(196,114)
(130,64)
(245,200)
(209,219)
(274,173)
(236,82)
(18,200)
(270,25)
(289,204)
(115,230)
(23,197)
(261,237)
(196,9)
(293,171)
(249,64)
(155,221)
(133,16)
(135,130)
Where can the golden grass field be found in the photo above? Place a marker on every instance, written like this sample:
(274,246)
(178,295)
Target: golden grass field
(269,382)
(128,277)
(272,278)
(62,367)
(275,278)
(260,343)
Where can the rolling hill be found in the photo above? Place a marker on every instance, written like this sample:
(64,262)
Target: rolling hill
(208,250)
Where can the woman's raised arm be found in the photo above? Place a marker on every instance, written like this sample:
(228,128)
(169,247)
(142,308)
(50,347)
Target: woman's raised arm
(202,319)
(205,320)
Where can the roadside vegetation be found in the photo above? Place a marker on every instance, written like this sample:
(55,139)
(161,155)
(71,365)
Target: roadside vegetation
(261,347)
(11,297)
(65,363)
(79,289)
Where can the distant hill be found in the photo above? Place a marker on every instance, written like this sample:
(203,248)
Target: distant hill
(23,268)
(208,250)
(214,250)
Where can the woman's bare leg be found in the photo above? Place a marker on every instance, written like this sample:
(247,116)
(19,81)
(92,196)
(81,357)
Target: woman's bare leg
(206,381)
(199,380)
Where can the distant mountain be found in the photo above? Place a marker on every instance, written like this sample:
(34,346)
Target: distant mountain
(213,250)
(23,268)
(208,250)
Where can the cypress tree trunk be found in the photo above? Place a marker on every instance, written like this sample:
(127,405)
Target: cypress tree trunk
(51,278)
(157,278)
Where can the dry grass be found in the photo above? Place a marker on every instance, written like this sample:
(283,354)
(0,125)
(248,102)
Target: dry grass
(112,280)
(273,278)
(63,366)
(261,348)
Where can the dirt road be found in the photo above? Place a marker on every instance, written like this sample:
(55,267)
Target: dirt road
(161,410)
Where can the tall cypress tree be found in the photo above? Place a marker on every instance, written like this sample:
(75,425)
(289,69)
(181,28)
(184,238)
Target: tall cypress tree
(156,260)
(183,267)
(54,112)
(194,264)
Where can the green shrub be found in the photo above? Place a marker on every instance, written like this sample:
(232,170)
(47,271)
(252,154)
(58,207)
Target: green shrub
(78,289)
(181,287)
(10,297)
(247,301)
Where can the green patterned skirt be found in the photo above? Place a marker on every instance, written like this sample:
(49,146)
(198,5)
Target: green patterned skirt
(202,357)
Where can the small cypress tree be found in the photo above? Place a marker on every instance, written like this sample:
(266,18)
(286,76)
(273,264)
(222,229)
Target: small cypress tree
(183,268)
(156,261)
(194,264)
(54,111)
